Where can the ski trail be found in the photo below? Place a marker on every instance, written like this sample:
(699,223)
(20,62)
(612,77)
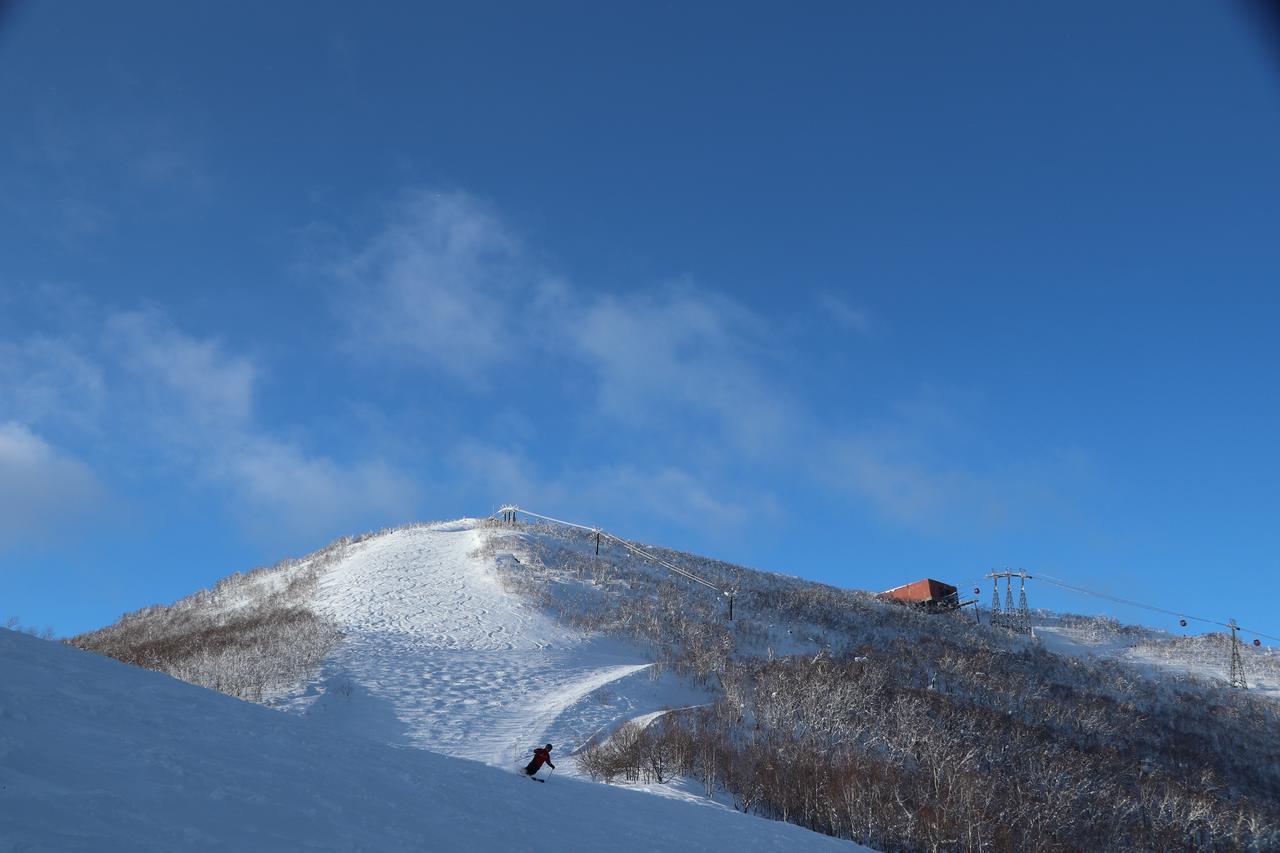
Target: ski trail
(99,756)
(644,720)
(438,655)
(532,726)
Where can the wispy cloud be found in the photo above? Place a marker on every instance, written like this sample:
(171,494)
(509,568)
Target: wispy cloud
(669,492)
(189,383)
(903,488)
(447,287)
(678,351)
(135,377)
(843,314)
(199,402)
(45,379)
(688,391)
(923,466)
(311,495)
(42,489)
(682,496)
(435,288)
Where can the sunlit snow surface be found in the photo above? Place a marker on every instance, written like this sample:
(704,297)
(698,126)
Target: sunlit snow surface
(438,655)
(99,756)
(1159,655)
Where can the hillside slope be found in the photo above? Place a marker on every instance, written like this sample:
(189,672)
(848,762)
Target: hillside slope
(1160,654)
(99,756)
(820,706)
(437,654)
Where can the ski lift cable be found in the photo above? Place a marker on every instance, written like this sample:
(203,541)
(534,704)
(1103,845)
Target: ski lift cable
(640,552)
(1131,603)
(524,511)
(982,580)
(625,544)
(1039,576)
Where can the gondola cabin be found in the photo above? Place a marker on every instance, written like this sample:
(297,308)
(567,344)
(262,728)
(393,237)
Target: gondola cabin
(927,594)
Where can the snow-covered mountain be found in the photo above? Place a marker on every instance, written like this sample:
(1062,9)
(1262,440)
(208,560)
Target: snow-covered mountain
(415,647)
(96,756)
(437,654)
(438,662)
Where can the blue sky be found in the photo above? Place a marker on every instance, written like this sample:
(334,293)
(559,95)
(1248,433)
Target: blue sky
(859,292)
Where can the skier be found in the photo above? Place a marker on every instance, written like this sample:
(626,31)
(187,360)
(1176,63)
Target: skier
(540,757)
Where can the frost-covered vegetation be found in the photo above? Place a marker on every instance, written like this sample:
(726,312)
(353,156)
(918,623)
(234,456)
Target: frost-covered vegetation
(99,757)
(14,623)
(906,731)
(1205,656)
(253,635)
(831,709)
(1209,652)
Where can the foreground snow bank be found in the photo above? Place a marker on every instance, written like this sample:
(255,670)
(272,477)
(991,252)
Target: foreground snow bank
(96,755)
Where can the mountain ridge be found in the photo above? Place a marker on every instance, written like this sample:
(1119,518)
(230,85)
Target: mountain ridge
(481,639)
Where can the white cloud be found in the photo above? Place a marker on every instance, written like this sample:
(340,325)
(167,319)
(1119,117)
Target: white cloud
(312,496)
(191,383)
(198,403)
(660,355)
(191,401)
(46,379)
(682,496)
(903,488)
(502,473)
(446,286)
(436,288)
(41,489)
(669,492)
(907,472)
(843,314)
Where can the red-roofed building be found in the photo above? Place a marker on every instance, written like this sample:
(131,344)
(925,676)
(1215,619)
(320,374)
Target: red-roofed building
(927,593)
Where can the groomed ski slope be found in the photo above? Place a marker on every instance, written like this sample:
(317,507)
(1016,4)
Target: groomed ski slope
(99,756)
(437,655)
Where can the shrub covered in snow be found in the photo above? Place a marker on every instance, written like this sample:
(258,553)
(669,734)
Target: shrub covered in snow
(251,636)
(908,731)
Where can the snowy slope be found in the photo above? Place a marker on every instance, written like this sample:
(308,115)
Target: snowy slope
(438,655)
(1159,655)
(450,651)
(99,756)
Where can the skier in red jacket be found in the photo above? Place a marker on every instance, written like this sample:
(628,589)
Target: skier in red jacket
(540,757)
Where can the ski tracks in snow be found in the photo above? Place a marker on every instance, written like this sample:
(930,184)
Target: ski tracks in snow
(466,668)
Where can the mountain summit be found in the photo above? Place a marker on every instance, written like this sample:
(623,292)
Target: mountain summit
(832,709)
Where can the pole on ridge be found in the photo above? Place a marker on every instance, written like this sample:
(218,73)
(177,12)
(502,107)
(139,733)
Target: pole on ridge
(512,509)
(1237,665)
